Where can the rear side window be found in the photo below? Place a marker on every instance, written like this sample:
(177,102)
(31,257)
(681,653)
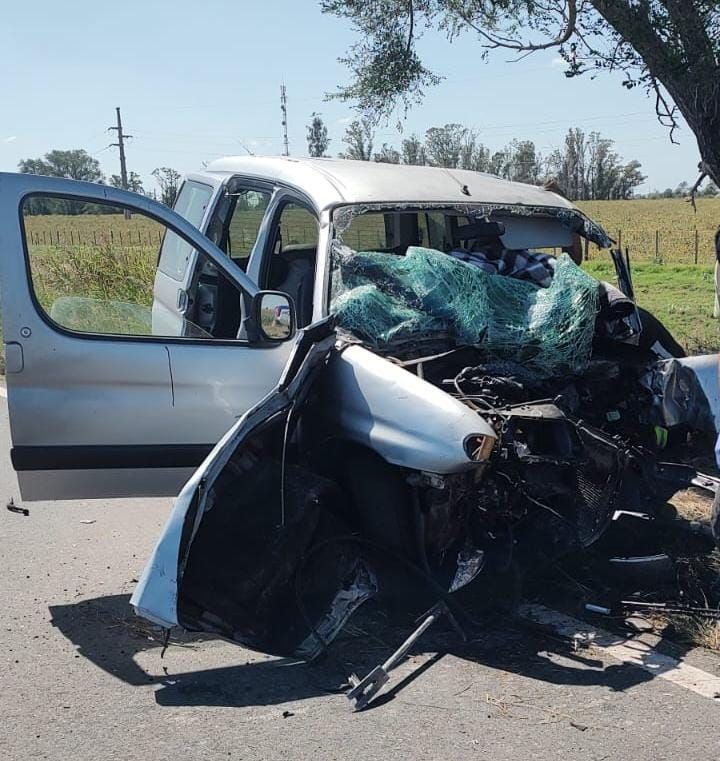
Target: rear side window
(175,253)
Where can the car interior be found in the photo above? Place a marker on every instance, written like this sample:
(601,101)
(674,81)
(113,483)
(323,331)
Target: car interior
(217,307)
(291,266)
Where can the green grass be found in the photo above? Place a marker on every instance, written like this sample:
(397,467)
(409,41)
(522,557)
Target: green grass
(680,296)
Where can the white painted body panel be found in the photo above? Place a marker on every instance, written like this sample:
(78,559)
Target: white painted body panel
(330,182)
(405,419)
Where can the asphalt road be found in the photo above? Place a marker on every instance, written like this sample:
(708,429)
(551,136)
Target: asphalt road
(81,678)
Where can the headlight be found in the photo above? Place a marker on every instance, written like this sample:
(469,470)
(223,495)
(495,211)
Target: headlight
(479,447)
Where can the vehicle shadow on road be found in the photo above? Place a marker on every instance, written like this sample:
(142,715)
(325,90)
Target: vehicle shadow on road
(105,631)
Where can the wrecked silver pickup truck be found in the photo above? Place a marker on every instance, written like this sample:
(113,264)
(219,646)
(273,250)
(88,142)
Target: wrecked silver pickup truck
(427,390)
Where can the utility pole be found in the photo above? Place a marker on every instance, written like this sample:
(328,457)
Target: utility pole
(283,108)
(121,145)
(121,137)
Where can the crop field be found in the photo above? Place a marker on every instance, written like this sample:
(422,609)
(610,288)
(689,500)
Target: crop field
(665,231)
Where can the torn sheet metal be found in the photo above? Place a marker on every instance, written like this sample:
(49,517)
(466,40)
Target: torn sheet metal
(469,565)
(158,596)
(347,600)
(685,391)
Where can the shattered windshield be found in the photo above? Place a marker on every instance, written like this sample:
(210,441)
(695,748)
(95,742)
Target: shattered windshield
(502,279)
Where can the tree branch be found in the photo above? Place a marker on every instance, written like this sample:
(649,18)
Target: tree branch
(702,167)
(664,111)
(570,28)
(411,31)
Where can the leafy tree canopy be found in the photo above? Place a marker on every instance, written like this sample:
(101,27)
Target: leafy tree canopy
(317,136)
(669,47)
(75,164)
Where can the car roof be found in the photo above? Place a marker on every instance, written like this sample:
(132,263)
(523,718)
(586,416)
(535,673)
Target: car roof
(331,182)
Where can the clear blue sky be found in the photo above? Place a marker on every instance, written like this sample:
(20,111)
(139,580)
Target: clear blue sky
(195,80)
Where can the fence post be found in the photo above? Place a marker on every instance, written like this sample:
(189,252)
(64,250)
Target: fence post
(657,246)
(697,245)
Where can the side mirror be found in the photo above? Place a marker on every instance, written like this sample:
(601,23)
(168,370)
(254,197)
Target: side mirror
(274,314)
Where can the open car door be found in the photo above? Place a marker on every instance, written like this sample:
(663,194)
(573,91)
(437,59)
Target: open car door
(255,549)
(103,402)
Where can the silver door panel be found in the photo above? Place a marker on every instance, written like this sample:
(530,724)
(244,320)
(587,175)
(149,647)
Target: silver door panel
(70,390)
(214,384)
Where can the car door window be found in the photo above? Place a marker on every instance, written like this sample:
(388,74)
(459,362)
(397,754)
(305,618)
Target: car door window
(246,216)
(291,262)
(175,252)
(92,268)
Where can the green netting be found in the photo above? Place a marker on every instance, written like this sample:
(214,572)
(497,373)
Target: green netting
(380,297)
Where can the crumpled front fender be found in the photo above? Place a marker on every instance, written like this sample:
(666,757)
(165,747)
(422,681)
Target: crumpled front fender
(406,420)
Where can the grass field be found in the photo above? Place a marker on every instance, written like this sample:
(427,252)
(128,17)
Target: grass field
(681,296)
(668,224)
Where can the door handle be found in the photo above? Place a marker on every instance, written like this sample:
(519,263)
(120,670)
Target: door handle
(14,359)
(182,301)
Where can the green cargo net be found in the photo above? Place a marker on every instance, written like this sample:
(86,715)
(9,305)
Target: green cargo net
(382,298)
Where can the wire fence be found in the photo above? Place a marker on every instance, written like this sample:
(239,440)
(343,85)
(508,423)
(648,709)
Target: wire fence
(69,237)
(646,245)
(664,246)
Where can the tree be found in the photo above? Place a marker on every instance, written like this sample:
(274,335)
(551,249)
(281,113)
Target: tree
(474,155)
(359,137)
(522,164)
(588,168)
(444,145)
(630,178)
(671,48)
(169,182)
(134,182)
(75,164)
(413,151)
(387,155)
(317,136)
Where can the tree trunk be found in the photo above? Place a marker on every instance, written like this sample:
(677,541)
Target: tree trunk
(690,73)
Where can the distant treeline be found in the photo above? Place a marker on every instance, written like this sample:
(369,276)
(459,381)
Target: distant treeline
(584,168)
